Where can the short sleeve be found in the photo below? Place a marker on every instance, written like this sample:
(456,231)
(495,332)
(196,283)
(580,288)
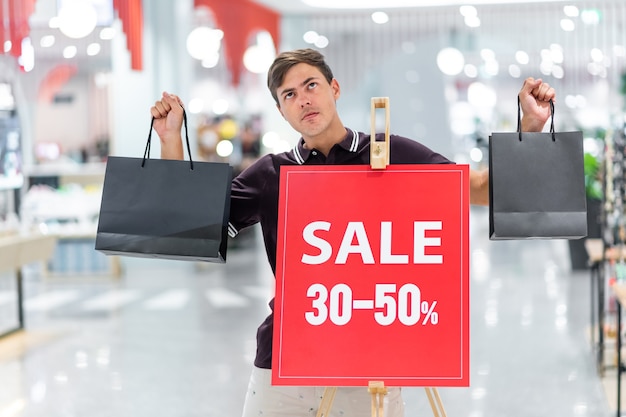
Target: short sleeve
(247,192)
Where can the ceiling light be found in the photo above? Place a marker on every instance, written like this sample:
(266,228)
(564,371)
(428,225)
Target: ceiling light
(590,16)
(556,52)
(567,25)
(270,139)
(77,19)
(196,105)
(481,95)
(492,68)
(47,41)
(259,57)
(69,52)
(107,34)
(462,118)
(570,101)
(93,49)
(558,72)
(522,57)
(203,41)
(450,61)
(472,21)
(571,11)
(546,67)
(468,11)
(322,42)
(256,60)
(470,70)
(487,54)
(597,55)
(310,36)
(211,60)
(515,71)
(380,17)
(54,22)
(220,106)
(224,148)
(476,155)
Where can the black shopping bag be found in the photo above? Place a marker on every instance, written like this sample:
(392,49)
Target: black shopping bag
(165,208)
(537,185)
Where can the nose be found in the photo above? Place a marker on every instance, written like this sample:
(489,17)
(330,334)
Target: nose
(304,100)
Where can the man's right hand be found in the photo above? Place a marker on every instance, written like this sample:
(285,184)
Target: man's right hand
(168,120)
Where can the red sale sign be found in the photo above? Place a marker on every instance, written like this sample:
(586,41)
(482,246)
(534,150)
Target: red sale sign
(372,279)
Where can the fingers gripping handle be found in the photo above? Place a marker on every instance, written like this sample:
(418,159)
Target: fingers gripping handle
(379,150)
(146,153)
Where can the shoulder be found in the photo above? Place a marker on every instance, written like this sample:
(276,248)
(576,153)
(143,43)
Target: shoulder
(269,164)
(405,150)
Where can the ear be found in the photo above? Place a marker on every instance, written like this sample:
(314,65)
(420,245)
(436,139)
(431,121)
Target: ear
(334,84)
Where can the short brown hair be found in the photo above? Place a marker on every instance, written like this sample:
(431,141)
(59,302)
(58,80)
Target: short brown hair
(286,60)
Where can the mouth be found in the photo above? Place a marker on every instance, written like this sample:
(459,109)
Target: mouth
(310,115)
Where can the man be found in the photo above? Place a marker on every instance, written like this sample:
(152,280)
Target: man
(306,92)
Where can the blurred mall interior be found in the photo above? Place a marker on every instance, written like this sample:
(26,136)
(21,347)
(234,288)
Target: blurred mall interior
(87,334)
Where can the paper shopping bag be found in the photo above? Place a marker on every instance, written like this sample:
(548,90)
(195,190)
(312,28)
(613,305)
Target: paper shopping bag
(165,208)
(536,185)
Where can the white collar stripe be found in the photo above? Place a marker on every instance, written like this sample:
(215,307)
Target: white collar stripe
(296,154)
(353,147)
(355,141)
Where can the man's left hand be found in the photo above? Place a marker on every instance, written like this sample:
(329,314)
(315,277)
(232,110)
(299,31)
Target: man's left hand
(535,96)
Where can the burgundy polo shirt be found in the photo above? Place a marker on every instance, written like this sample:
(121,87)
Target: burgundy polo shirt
(254,196)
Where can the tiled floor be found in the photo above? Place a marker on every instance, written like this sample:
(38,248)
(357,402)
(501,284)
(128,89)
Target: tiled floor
(177,339)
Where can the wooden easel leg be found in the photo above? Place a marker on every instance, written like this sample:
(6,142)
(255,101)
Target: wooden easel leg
(327,402)
(378,391)
(435,402)
(438,399)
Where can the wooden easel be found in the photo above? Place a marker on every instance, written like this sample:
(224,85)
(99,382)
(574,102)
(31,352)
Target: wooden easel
(379,151)
(378,391)
(379,159)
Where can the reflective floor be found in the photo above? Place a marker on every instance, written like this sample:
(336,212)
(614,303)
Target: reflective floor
(178,339)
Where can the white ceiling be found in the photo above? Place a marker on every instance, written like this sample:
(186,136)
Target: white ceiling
(303,6)
(532,25)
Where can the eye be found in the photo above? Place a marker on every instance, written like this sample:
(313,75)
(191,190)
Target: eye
(312,85)
(288,95)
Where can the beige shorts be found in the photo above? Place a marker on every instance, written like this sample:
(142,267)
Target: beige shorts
(263,399)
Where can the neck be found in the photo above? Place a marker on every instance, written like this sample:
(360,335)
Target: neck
(324,141)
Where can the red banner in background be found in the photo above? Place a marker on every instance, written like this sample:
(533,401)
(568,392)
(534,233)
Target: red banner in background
(372,279)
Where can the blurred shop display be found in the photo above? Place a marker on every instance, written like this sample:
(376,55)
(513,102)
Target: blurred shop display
(11,174)
(223,139)
(69,212)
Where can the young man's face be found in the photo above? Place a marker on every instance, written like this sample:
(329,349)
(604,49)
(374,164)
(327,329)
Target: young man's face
(307,101)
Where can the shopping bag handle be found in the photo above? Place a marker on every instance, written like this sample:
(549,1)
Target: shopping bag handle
(146,153)
(519,119)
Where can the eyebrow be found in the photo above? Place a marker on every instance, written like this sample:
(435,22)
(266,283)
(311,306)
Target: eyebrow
(303,83)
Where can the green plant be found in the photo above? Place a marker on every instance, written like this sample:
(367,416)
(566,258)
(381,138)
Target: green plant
(593,179)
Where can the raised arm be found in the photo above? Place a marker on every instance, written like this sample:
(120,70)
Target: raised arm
(535,96)
(168,120)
